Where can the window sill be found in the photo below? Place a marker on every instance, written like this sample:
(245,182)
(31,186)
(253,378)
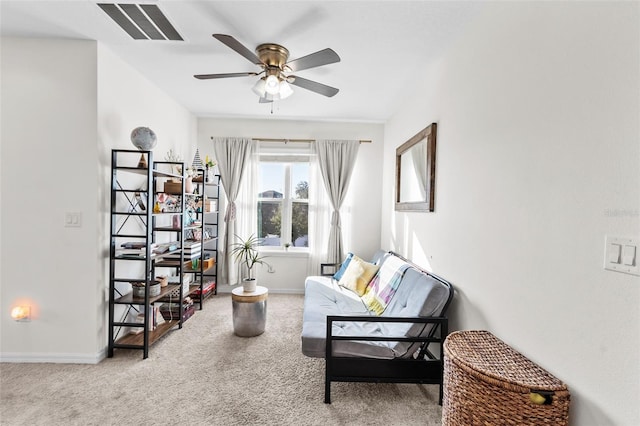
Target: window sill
(274,252)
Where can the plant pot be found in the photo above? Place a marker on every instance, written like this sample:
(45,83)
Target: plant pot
(249,285)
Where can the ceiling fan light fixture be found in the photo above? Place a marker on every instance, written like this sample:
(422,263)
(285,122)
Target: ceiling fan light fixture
(285,90)
(259,87)
(272,85)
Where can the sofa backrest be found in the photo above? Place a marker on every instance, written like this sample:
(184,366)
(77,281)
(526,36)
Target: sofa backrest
(420,294)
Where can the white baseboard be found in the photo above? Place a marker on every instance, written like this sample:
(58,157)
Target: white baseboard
(63,358)
(227,290)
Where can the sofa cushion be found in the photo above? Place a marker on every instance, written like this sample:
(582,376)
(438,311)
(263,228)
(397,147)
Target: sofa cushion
(314,339)
(358,275)
(323,296)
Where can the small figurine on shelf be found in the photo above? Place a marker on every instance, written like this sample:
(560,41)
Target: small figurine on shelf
(173,157)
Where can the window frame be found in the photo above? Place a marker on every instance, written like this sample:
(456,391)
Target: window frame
(287,160)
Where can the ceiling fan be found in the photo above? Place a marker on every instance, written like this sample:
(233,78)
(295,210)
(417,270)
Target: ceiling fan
(272,58)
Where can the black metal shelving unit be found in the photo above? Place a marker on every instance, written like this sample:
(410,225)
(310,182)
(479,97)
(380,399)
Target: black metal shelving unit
(137,222)
(207,191)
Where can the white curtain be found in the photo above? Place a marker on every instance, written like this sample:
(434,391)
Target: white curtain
(319,216)
(246,204)
(232,155)
(336,160)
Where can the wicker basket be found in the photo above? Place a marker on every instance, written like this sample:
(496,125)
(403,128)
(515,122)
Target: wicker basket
(486,382)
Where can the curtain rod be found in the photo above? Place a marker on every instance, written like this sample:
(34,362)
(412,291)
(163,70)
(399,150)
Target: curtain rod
(294,140)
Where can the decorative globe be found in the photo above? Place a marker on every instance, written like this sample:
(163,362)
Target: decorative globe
(143,138)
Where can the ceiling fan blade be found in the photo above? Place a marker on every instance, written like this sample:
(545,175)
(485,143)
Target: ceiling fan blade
(314,86)
(264,101)
(238,47)
(227,75)
(322,57)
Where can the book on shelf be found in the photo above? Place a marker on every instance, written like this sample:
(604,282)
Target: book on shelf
(191,251)
(206,288)
(194,247)
(165,248)
(137,245)
(171,311)
(155,318)
(135,253)
(186,256)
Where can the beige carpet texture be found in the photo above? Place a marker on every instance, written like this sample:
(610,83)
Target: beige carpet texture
(205,375)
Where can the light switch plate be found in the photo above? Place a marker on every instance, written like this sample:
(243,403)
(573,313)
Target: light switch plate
(73,220)
(621,254)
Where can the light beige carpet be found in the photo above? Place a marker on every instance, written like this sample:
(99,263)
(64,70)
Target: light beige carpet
(205,375)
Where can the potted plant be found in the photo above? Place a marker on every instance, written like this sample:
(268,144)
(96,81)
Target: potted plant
(246,252)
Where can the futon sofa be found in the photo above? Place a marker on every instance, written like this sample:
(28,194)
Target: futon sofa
(375,321)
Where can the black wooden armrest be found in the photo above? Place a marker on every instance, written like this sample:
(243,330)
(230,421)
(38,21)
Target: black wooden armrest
(323,266)
(438,321)
(425,368)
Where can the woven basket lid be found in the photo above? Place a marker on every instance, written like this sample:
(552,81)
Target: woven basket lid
(481,353)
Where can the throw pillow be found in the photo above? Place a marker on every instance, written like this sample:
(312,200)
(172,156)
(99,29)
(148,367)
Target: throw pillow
(343,267)
(358,275)
(383,288)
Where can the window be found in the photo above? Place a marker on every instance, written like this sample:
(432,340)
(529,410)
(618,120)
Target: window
(283,194)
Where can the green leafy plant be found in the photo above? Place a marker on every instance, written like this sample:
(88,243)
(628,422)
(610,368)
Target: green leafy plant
(208,162)
(246,251)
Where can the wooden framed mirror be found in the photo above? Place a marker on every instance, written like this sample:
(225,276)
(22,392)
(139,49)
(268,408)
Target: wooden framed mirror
(416,171)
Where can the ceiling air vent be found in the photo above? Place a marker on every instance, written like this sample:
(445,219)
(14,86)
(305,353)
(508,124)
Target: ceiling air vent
(141,22)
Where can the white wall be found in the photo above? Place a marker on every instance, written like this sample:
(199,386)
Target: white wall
(49,162)
(364,190)
(538,159)
(65,105)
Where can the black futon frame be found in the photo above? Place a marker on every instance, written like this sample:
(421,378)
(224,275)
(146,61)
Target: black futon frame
(423,367)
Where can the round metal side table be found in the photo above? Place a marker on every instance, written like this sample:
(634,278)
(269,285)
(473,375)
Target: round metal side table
(249,311)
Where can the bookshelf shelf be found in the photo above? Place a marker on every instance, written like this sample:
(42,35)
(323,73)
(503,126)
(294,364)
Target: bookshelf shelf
(129,298)
(129,340)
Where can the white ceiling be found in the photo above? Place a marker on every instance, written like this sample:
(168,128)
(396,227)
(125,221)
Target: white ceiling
(384,47)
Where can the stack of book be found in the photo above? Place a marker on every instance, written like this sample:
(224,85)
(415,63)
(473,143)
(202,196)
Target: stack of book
(171,311)
(207,288)
(135,249)
(155,319)
(192,249)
